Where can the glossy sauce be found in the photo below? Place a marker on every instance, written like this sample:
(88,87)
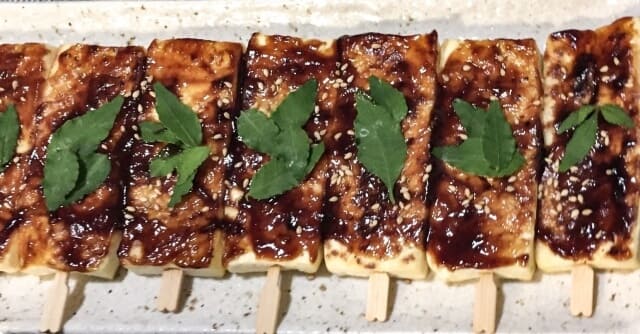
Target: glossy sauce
(285,226)
(477,222)
(591,67)
(203,74)
(359,213)
(23,68)
(87,76)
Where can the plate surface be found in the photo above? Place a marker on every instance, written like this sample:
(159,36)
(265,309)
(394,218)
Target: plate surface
(325,302)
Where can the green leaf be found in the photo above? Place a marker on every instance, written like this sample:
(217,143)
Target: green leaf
(467,156)
(93,170)
(155,132)
(296,108)
(316,153)
(292,148)
(580,143)
(177,117)
(181,188)
(84,133)
(60,177)
(72,169)
(381,145)
(272,179)
(614,114)
(576,118)
(472,118)
(256,130)
(9,130)
(498,144)
(186,165)
(385,95)
(490,153)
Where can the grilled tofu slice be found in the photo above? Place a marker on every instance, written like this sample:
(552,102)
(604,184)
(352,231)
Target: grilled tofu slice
(365,232)
(23,71)
(83,236)
(589,213)
(284,230)
(204,75)
(482,224)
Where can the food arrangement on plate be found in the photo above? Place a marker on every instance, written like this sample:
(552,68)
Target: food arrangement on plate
(380,155)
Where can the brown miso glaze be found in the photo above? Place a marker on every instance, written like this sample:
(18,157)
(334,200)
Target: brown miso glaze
(476,222)
(202,74)
(359,213)
(591,67)
(23,69)
(285,226)
(85,77)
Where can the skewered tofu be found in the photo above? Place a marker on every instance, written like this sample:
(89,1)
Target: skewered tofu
(480,224)
(23,69)
(589,213)
(283,230)
(365,231)
(82,236)
(204,75)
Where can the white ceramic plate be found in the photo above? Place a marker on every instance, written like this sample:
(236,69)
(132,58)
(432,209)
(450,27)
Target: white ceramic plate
(323,303)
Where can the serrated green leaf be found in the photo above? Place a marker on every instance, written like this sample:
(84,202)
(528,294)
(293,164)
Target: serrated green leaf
(84,133)
(576,118)
(257,131)
(186,164)
(614,114)
(272,179)
(9,130)
(296,108)
(385,95)
(467,156)
(472,118)
(60,177)
(182,187)
(315,155)
(177,117)
(292,148)
(490,153)
(381,145)
(498,144)
(163,166)
(155,132)
(76,140)
(93,170)
(580,143)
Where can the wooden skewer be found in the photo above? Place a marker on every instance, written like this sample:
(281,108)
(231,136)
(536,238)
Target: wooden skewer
(53,313)
(484,309)
(170,288)
(378,297)
(269,303)
(582,287)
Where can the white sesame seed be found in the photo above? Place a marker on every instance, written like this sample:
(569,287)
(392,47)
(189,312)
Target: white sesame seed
(299,230)
(16,159)
(238,164)
(228,84)
(278,81)
(580,198)
(130,208)
(466,67)
(608,171)
(139,107)
(376,46)
(572,198)
(573,169)
(445,78)
(224,151)
(344,66)
(399,220)
(511,179)
(502,72)
(14,84)
(265,72)
(573,179)
(225,100)
(463,136)
(136,136)
(135,94)
(333,199)
(128,216)
(217,136)
(564,193)
(375,207)
(510,189)
(337,135)
(245,183)
(429,168)
(260,85)
(451,188)
(351,133)
(348,155)
(226,115)
(373,223)
(616,61)
(604,68)
(586,212)
(350,78)
(575,213)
